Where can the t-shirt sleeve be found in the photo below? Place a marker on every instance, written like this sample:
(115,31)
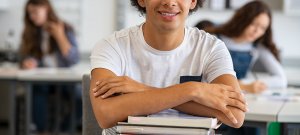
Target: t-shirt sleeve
(106,55)
(219,62)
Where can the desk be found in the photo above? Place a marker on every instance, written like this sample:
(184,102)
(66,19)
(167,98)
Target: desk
(290,113)
(264,109)
(55,76)
(51,75)
(8,75)
(292,75)
(13,75)
(261,112)
(289,116)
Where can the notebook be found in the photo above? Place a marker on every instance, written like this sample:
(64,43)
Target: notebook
(182,120)
(126,128)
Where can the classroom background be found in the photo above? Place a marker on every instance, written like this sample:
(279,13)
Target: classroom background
(96,19)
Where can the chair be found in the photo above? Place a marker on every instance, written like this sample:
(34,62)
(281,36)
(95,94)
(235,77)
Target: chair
(89,123)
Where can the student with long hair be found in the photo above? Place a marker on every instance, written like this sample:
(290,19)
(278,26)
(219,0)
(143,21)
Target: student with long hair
(248,36)
(47,41)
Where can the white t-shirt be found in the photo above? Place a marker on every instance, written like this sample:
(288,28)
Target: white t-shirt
(126,53)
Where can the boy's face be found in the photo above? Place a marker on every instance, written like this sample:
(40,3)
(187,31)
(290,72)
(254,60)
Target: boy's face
(167,14)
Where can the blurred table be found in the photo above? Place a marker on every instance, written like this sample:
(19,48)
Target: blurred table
(8,74)
(273,106)
(55,76)
(12,75)
(293,76)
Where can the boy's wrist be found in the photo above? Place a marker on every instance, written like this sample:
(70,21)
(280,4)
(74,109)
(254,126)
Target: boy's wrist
(193,91)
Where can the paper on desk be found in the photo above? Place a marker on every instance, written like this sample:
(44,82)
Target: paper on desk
(279,95)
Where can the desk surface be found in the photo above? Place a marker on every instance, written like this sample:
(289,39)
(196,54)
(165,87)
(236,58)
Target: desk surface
(290,113)
(293,77)
(262,109)
(73,74)
(46,74)
(274,105)
(8,73)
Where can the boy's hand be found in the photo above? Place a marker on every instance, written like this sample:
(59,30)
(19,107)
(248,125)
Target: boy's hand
(219,96)
(120,84)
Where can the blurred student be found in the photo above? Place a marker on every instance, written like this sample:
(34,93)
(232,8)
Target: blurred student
(204,24)
(163,65)
(47,41)
(248,36)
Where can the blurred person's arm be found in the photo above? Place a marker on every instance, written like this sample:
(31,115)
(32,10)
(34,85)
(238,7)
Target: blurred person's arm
(253,87)
(66,41)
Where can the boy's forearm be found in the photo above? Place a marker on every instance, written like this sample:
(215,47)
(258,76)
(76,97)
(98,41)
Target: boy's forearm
(201,110)
(140,103)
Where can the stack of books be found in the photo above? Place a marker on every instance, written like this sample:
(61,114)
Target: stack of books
(171,125)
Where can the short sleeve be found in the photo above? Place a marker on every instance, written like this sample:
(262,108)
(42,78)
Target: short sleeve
(106,55)
(219,62)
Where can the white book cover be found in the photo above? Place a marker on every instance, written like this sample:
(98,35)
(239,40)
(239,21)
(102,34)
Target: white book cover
(126,128)
(178,120)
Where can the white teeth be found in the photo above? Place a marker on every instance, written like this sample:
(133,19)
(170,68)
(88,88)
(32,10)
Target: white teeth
(168,14)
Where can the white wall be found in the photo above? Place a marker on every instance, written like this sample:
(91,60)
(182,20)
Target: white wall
(11,18)
(98,21)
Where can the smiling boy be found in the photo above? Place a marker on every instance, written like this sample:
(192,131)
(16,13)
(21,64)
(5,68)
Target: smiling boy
(163,64)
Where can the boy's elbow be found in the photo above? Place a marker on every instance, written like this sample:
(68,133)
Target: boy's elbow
(238,124)
(240,117)
(103,118)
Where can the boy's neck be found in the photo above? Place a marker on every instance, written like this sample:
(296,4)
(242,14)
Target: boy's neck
(163,40)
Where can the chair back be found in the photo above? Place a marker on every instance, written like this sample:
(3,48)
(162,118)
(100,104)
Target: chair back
(89,123)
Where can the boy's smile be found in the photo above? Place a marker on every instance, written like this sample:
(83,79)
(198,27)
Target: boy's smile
(167,15)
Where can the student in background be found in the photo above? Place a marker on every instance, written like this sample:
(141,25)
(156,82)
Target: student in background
(47,41)
(204,24)
(248,36)
(159,64)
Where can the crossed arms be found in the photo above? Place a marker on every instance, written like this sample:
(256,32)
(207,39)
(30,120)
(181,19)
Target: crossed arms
(222,98)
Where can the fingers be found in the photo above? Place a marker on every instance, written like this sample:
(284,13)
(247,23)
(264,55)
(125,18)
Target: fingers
(236,103)
(111,92)
(237,96)
(111,81)
(237,99)
(105,87)
(229,114)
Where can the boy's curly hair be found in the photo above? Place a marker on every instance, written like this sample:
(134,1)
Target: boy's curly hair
(142,10)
